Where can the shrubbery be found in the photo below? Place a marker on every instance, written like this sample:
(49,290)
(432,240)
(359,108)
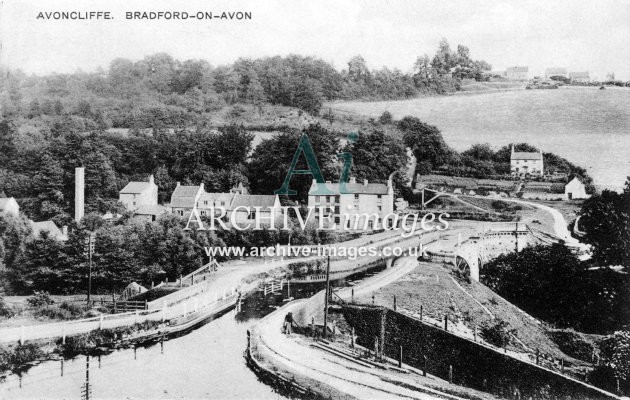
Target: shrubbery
(497,333)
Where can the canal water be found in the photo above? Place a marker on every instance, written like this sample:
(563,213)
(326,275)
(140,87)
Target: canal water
(208,362)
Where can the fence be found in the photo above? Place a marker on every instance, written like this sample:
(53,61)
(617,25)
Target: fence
(462,360)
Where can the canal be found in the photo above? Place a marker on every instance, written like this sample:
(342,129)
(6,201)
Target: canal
(207,362)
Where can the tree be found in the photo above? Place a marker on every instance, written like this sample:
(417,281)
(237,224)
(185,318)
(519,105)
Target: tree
(272,158)
(426,142)
(616,354)
(551,283)
(606,223)
(375,156)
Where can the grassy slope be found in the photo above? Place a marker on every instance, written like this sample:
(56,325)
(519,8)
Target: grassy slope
(431,285)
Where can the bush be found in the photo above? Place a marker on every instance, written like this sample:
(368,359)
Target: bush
(6,310)
(40,299)
(386,118)
(497,333)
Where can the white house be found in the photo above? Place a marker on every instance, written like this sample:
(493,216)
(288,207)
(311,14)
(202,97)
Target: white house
(51,228)
(582,77)
(8,205)
(351,209)
(575,189)
(517,73)
(549,72)
(138,194)
(525,162)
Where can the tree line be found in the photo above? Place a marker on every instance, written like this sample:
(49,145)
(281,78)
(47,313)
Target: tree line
(131,94)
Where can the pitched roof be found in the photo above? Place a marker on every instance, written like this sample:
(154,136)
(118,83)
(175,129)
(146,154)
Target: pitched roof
(4,201)
(136,187)
(48,226)
(150,210)
(212,198)
(354,188)
(184,196)
(526,155)
(254,200)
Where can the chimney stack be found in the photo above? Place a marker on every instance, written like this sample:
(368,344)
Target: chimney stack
(64,230)
(353,180)
(151,180)
(79,193)
(365,182)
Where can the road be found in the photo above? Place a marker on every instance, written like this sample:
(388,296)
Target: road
(294,354)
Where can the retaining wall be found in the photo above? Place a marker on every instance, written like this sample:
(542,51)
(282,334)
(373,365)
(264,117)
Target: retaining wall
(474,365)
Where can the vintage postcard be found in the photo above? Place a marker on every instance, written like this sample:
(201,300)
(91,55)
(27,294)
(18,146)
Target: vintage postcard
(273,199)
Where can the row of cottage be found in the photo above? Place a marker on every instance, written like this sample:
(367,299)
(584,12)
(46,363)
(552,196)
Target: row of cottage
(141,198)
(523,73)
(572,190)
(240,206)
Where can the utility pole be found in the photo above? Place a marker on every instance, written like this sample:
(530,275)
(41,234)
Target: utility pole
(326,298)
(89,242)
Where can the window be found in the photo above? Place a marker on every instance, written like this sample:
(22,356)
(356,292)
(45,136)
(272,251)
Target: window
(356,197)
(252,214)
(205,202)
(134,203)
(380,208)
(379,196)
(180,212)
(222,203)
(316,199)
(203,212)
(337,220)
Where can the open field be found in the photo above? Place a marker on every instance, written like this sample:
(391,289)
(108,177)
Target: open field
(588,127)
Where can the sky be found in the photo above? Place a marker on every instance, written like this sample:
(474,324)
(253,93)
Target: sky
(580,35)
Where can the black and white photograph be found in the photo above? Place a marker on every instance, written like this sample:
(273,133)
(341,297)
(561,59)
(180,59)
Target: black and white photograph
(336,200)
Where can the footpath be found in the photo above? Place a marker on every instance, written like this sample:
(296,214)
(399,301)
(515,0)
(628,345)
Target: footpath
(326,373)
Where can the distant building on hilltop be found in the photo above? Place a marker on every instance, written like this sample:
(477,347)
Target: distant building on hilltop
(374,199)
(523,163)
(549,72)
(517,73)
(581,77)
(8,205)
(139,194)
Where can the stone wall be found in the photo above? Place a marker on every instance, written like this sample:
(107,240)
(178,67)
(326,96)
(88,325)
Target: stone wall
(473,365)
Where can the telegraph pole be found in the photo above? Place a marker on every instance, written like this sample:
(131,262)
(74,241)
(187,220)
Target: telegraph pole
(89,241)
(326,299)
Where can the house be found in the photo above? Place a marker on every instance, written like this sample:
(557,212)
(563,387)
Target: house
(549,72)
(581,77)
(246,208)
(575,189)
(215,200)
(149,213)
(185,198)
(517,73)
(524,163)
(137,194)
(8,205)
(51,228)
(362,206)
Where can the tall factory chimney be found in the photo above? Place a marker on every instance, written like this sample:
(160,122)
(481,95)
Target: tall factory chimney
(79,193)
